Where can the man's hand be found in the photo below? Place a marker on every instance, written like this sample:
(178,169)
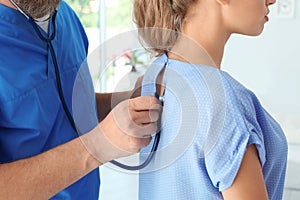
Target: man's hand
(126,129)
(107,101)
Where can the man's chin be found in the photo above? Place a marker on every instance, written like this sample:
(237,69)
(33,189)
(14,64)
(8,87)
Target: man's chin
(38,8)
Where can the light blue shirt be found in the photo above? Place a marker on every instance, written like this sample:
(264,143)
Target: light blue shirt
(208,121)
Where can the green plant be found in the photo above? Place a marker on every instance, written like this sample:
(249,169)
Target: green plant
(86,11)
(118,16)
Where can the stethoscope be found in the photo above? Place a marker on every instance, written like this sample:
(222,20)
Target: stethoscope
(48,40)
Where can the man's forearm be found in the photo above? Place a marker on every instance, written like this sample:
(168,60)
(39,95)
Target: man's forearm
(107,101)
(44,175)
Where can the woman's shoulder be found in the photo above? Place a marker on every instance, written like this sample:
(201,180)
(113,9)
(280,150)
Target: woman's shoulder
(238,95)
(233,85)
(243,115)
(238,127)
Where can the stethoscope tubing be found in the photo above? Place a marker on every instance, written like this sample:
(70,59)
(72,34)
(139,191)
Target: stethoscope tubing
(55,63)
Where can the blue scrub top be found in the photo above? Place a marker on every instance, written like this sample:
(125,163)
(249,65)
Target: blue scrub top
(210,119)
(32,119)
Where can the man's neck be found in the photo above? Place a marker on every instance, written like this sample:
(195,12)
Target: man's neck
(7,3)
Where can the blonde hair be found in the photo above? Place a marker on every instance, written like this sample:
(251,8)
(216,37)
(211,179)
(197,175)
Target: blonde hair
(159,22)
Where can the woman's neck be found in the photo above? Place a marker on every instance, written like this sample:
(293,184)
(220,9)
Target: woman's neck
(202,40)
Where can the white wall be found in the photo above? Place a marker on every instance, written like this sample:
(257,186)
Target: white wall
(269,65)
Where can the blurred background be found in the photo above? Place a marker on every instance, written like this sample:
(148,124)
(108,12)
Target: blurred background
(268,64)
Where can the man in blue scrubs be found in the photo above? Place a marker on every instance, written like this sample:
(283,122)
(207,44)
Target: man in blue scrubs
(41,155)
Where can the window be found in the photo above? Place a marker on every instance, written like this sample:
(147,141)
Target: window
(105,20)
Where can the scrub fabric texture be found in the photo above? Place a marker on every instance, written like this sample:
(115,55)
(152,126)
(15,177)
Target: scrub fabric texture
(220,118)
(32,119)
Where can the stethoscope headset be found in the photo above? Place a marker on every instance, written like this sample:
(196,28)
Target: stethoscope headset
(48,40)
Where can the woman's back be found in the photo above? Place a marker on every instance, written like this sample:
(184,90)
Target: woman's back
(208,121)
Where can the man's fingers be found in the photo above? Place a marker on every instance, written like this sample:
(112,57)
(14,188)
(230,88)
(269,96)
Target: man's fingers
(149,130)
(144,103)
(145,117)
